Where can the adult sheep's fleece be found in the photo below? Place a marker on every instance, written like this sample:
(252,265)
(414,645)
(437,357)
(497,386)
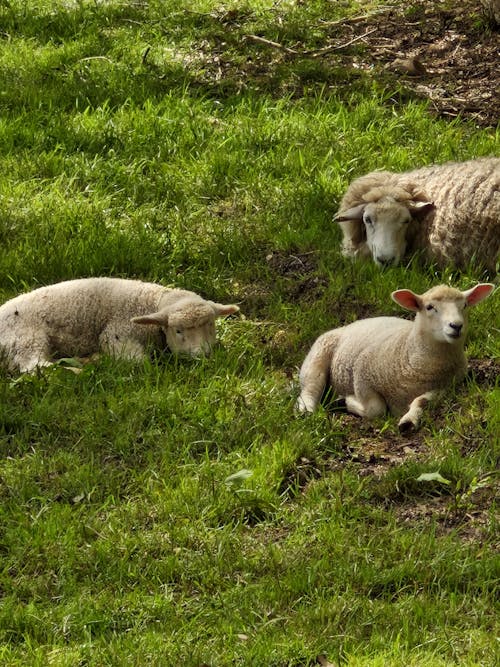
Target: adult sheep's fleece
(121,317)
(451,212)
(388,362)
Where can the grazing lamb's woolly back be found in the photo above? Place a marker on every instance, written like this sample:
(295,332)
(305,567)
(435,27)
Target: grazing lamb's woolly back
(451,212)
(121,317)
(388,362)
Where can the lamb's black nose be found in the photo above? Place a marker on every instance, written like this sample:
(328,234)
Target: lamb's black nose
(457,328)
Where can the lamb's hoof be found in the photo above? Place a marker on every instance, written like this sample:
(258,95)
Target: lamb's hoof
(406,426)
(300,407)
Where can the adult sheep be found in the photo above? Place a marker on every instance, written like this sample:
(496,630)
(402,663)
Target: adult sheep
(121,317)
(389,362)
(451,212)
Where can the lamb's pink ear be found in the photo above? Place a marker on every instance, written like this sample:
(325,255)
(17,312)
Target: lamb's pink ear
(159,319)
(222,311)
(355,213)
(407,299)
(420,208)
(478,293)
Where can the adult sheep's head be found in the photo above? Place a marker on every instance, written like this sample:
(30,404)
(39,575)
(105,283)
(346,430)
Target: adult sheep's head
(383,223)
(189,327)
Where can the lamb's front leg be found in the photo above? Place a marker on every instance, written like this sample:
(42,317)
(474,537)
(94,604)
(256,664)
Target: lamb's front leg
(314,374)
(32,364)
(124,348)
(411,419)
(368,405)
(30,354)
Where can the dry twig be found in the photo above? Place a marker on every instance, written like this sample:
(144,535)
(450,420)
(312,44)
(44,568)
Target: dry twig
(275,45)
(315,53)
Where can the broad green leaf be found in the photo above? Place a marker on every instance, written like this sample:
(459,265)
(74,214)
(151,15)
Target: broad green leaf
(433,477)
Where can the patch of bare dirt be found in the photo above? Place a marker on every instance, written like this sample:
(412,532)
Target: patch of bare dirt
(298,272)
(373,451)
(292,264)
(444,52)
(484,372)
(471,523)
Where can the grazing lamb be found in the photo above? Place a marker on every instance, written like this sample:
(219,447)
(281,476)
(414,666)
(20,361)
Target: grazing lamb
(451,212)
(120,317)
(388,362)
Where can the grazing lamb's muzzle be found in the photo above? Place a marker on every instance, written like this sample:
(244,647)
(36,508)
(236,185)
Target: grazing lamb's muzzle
(202,351)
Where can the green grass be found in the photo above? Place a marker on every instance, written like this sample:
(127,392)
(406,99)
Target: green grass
(152,140)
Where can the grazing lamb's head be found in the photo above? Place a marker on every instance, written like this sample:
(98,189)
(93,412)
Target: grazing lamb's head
(189,326)
(442,310)
(385,217)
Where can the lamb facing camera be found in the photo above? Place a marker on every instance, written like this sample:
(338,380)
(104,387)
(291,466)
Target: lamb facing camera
(390,363)
(124,318)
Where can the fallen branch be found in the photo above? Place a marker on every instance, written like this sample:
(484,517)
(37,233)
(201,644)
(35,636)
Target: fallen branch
(83,60)
(275,45)
(359,18)
(145,54)
(314,53)
(328,49)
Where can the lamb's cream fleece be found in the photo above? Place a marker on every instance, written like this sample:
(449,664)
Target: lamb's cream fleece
(388,362)
(113,315)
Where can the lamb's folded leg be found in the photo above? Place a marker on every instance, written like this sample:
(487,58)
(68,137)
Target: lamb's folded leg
(30,364)
(368,405)
(33,353)
(411,419)
(124,348)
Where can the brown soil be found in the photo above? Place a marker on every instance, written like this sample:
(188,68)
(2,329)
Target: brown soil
(484,372)
(465,512)
(443,52)
(447,55)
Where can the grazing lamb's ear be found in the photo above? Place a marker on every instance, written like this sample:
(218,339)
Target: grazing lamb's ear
(407,299)
(221,310)
(160,319)
(355,213)
(478,293)
(420,208)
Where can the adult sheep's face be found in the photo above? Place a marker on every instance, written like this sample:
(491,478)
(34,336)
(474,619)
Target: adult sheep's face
(386,225)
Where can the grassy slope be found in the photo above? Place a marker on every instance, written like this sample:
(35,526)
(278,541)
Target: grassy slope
(121,542)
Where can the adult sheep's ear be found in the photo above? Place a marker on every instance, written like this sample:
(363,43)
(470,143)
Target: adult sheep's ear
(407,299)
(478,293)
(221,310)
(355,213)
(159,319)
(419,209)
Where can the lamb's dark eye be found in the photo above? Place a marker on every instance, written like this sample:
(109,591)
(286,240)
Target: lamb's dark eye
(368,220)
(178,331)
(430,307)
